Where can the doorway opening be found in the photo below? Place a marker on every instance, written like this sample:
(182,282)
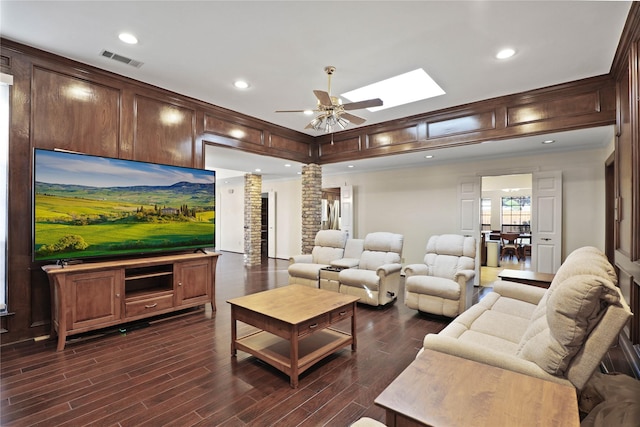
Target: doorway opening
(505,225)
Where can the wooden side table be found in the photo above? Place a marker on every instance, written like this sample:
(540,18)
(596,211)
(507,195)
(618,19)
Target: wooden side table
(541,280)
(438,389)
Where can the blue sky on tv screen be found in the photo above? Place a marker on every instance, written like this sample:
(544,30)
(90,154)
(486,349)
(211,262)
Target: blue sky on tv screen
(56,167)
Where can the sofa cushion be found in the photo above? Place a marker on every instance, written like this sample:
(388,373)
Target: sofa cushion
(572,309)
(452,244)
(514,307)
(435,286)
(306,271)
(489,341)
(358,278)
(325,254)
(483,325)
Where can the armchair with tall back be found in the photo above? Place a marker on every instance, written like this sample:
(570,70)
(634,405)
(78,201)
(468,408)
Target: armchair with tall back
(376,280)
(443,285)
(305,269)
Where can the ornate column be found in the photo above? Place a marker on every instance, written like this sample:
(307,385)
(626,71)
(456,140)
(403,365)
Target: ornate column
(252,219)
(311,205)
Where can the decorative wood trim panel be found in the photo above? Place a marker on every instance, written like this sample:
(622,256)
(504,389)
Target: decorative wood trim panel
(566,107)
(74,114)
(163,132)
(5,63)
(338,147)
(585,103)
(282,143)
(470,123)
(233,130)
(394,137)
(630,35)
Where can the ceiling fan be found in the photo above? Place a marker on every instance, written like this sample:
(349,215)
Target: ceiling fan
(331,111)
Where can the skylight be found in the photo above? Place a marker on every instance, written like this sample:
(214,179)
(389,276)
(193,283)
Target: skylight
(409,87)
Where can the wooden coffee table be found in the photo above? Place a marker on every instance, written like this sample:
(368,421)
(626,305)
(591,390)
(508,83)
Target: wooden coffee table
(438,389)
(294,323)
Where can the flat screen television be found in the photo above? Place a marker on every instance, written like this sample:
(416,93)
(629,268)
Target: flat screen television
(87,206)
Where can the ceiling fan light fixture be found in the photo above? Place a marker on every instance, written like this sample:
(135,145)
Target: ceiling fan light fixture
(342,123)
(316,123)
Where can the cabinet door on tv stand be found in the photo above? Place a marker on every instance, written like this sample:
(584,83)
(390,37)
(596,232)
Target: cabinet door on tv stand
(95,298)
(193,282)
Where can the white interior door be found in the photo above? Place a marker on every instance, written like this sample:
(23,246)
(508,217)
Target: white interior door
(271,226)
(469,194)
(546,221)
(346,209)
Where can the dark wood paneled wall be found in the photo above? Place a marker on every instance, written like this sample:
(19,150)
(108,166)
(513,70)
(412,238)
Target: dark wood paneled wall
(59,103)
(626,72)
(585,103)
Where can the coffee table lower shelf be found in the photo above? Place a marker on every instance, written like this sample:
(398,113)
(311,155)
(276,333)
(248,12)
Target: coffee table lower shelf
(276,351)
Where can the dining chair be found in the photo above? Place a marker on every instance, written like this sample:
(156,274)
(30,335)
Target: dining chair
(510,246)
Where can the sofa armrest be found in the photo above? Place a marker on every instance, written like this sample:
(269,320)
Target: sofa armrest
(466,274)
(519,291)
(388,269)
(416,270)
(480,354)
(389,286)
(306,258)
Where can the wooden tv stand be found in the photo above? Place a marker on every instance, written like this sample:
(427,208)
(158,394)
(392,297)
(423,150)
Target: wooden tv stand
(96,295)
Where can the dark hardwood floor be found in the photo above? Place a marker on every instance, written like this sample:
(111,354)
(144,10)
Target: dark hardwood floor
(178,371)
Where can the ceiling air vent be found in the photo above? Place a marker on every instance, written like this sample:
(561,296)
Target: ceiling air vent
(121,58)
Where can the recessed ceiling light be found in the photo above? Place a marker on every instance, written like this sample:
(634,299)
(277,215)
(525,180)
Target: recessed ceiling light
(350,166)
(428,156)
(241,84)
(258,170)
(128,38)
(548,141)
(399,90)
(505,53)
(287,165)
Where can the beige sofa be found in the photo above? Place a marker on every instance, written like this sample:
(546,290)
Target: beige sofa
(559,334)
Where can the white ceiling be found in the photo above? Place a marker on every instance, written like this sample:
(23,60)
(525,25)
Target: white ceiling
(198,48)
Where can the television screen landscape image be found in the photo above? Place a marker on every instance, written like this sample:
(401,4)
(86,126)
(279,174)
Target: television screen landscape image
(88,206)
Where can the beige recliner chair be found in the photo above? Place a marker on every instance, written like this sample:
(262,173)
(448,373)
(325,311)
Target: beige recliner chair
(377,279)
(443,285)
(305,269)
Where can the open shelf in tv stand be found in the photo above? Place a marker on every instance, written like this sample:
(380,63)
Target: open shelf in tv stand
(96,295)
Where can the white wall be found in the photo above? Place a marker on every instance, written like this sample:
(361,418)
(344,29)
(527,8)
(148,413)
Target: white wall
(288,216)
(419,202)
(230,216)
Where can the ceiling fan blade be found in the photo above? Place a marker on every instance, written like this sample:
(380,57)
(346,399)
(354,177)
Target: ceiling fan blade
(290,111)
(323,97)
(353,119)
(376,102)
